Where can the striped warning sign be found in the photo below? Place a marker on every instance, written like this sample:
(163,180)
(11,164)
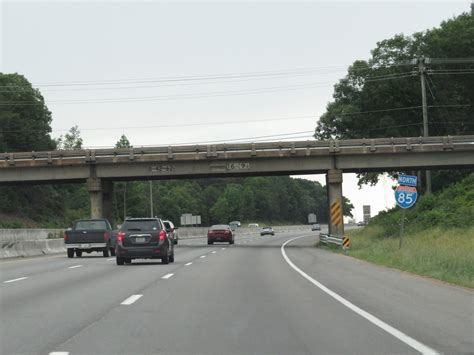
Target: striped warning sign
(336,213)
(345,242)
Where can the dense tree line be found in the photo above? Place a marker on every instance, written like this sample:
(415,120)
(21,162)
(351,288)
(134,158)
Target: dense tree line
(381,96)
(255,199)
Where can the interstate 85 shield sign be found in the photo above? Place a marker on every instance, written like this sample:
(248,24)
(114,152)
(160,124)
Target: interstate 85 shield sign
(405,196)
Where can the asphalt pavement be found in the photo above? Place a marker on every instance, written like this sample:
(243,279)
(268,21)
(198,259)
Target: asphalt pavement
(263,295)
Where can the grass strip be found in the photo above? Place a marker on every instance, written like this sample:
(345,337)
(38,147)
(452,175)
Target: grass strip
(443,254)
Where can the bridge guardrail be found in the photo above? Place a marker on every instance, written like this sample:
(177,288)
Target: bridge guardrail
(172,152)
(342,241)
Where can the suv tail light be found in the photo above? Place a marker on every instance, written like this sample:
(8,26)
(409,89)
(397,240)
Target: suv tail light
(162,235)
(106,236)
(65,236)
(120,237)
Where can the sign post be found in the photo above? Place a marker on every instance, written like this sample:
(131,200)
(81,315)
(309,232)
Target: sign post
(405,196)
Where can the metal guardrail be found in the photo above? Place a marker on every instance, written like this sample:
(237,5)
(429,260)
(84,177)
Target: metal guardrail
(332,146)
(342,241)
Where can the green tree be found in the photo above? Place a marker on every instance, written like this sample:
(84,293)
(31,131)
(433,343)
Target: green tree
(380,98)
(71,140)
(25,121)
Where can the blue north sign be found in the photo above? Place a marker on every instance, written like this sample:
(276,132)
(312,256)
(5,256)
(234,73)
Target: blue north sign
(407,180)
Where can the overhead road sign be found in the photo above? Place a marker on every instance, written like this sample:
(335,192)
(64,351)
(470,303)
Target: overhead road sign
(407,180)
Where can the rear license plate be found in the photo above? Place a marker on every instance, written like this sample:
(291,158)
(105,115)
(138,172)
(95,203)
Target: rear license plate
(85,245)
(140,240)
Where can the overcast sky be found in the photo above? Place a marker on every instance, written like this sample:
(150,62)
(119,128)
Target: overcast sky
(182,72)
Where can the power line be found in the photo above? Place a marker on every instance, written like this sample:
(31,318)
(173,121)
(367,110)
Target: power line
(281,136)
(172,125)
(178,97)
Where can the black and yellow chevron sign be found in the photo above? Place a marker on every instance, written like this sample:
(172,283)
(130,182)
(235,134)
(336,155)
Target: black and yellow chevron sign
(336,213)
(346,243)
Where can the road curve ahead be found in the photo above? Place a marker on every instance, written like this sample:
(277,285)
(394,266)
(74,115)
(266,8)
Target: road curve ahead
(263,295)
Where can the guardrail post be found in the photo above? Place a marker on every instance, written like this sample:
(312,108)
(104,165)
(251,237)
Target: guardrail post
(94,186)
(334,189)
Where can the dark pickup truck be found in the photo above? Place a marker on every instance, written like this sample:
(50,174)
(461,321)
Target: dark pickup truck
(88,235)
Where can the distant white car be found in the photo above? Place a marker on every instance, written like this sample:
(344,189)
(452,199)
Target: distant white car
(315,227)
(267,230)
(253,225)
(360,224)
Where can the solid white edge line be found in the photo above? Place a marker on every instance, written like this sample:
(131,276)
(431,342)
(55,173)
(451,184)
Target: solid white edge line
(14,280)
(423,349)
(74,267)
(187,264)
(167,276)
(131,299)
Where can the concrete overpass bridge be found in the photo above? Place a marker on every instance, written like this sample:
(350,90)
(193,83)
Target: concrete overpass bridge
(100,167)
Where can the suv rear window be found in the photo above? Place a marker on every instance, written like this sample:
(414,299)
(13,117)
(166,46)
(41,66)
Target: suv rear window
(91,225)
(141,225)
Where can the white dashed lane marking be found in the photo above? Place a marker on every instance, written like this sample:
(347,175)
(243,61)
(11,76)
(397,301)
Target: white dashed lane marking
(214,252)
(111,259)
(74,267)
(59,353)
(202,256)
(187,264)
(131,299)
(167,276)
(223,248)
(15,280)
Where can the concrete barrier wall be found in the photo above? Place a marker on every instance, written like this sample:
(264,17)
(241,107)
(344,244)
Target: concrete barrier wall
(12,235)
(25,248)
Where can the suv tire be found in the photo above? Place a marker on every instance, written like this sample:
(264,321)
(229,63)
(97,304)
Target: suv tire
(165,260)
(120,261)
(78,253)
(70,253)
(105,253)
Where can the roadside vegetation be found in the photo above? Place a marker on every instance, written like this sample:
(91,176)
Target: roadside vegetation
(438,240)
(380,97)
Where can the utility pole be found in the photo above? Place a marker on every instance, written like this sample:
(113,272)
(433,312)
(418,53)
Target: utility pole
(151,200)
(422,70)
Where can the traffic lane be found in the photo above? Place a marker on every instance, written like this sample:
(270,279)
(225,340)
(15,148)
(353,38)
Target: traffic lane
(434,313)
(13,268)
(56,305)
(243,300)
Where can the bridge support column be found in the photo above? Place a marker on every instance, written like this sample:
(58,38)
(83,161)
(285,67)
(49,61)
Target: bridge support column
(94,186)
(334,190)
(107,207)
(101,193)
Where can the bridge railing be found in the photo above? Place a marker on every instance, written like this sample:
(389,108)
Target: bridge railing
(327,146)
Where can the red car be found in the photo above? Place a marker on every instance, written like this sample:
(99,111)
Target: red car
(220,233)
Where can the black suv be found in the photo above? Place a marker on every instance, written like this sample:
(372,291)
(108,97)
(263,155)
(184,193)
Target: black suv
(144,238)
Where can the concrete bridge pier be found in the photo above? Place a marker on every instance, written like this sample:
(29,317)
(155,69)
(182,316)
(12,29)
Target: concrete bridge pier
(334,190)
(101,193)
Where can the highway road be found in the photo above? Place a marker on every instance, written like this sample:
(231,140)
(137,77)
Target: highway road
(263,295)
